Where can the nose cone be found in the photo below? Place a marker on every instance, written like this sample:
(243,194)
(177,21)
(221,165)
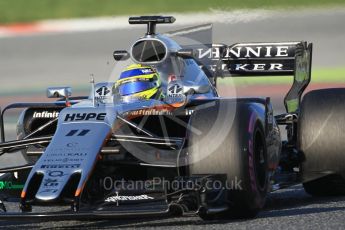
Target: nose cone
(72,152)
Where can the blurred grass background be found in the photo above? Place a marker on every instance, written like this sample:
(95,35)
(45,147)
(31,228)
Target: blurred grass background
(14,11)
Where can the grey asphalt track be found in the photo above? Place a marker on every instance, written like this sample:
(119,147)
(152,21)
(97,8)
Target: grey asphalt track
(29,64)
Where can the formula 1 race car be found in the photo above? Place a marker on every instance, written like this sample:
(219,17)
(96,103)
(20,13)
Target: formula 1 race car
(180,147)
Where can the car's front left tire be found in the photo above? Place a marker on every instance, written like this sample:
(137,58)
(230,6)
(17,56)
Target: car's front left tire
(241,155)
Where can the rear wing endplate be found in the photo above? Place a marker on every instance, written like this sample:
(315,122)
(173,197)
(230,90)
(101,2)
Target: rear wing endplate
(262,59)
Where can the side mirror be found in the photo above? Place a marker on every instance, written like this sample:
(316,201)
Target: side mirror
(59,92)
(190,88)
(120,55)
(186,53)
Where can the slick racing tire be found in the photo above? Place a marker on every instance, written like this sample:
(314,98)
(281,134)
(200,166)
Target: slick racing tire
(241,156)
(321,135)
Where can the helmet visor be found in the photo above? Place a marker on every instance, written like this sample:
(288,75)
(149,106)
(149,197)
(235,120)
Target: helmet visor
(129,88)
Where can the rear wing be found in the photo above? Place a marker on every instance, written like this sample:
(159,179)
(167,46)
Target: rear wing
(262,59)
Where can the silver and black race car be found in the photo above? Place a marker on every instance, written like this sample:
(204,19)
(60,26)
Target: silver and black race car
(188,150)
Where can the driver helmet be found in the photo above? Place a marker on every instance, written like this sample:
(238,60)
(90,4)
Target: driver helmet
(138,82)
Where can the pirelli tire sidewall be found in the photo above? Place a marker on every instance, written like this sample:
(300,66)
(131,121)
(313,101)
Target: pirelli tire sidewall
(235,156)
(321,134)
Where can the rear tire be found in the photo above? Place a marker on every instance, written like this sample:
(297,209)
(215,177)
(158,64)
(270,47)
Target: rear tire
(321,139)
(241,156)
